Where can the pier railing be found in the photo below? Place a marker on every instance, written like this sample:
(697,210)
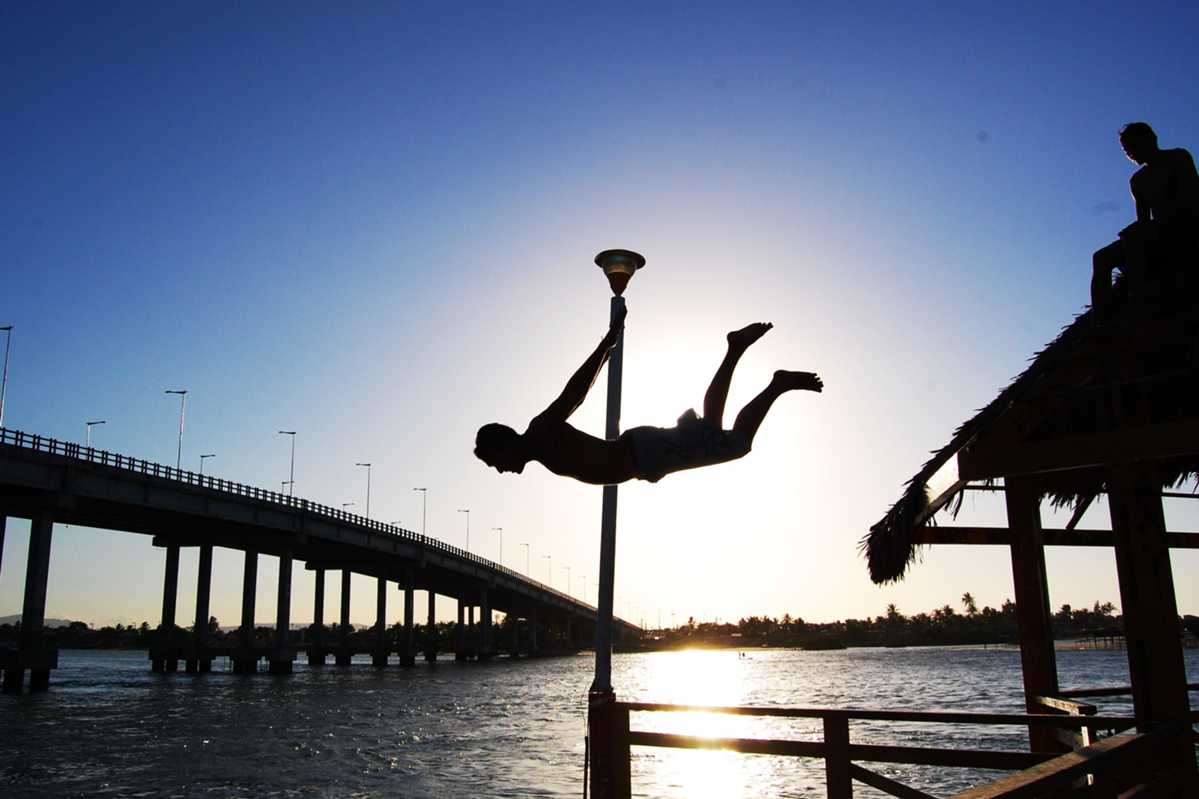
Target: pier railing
(116,460)
(1126,757)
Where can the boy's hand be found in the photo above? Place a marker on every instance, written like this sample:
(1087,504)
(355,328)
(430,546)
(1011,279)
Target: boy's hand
(615,328)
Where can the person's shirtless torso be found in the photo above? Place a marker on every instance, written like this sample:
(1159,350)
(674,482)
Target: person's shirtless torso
(569,452)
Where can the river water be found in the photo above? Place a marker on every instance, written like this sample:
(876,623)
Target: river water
(109,727)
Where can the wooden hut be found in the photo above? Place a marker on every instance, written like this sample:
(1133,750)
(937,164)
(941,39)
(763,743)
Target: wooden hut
(1111,407)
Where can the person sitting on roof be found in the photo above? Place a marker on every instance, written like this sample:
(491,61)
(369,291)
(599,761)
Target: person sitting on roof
(1165,191)
(645,453)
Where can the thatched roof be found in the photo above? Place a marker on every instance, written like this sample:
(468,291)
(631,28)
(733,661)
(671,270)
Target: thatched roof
(1134,340)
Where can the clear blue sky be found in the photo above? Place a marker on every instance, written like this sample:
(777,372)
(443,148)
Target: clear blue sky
(375,226)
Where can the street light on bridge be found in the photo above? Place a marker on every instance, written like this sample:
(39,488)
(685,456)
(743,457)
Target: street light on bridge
(202,457)
(424,500)
(368,487)
(291,474)
(182,392)
(467,512)
(528,549)
(500,530)
(87,431)
(4,380)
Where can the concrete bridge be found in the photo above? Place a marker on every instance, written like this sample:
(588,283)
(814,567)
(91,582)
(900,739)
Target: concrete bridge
(49,481)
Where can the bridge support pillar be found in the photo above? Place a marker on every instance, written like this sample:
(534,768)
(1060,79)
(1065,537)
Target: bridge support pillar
(282,655)
(32,653)
(472,635)
(431,631)
(485,648)
(408,647)
(198,660)
(460,633)
(379,657)
(343,644)
(316,648)
(164,657)
(245,659)
(533,632)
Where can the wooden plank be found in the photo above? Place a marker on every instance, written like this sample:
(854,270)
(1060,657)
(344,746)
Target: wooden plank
(1038,659)
(1067,705)
(1054,536)
(986,459)
(960,758)
(753,746)
(866,714)
(1034,781)
(886,784)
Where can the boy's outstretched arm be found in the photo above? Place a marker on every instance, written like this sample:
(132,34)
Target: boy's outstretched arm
(581,381)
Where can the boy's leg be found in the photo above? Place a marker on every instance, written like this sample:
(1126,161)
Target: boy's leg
(754,412)
(718,389)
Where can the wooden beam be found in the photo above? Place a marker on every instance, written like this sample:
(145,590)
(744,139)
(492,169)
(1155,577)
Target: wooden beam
(989,458)
(1056,537)
(1038,660)
(1155,664)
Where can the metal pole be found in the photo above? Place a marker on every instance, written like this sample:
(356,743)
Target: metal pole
(527,549)
(291,472)
(607,576)
(4,381)
(424,501)
(500,530)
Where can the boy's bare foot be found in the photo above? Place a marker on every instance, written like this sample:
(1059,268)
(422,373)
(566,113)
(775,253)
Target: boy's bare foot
(741,339)
(798,381)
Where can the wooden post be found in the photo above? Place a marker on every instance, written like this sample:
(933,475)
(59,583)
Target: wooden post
(608,740)
(838,783)
(1151,628)
(1038,661)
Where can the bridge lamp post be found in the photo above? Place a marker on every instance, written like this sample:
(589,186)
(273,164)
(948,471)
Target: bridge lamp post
(345,505)
(467,512)
(583,577)
(527,550)
(182,392)
(202,457)
(619,266)
(87,431)
(569,582)
(424,500)
(368,487)
(291,474)
(500,530)
(549,569)
(4,380)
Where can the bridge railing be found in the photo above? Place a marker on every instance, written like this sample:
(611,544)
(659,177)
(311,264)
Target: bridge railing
(116,460)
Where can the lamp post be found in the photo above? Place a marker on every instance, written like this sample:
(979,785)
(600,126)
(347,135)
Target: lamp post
(182,392)
(87,431)
(368,487)
(609,778)
(549,569)
(528,549)
(569,582)
(4,380)
(202,457)
(291,474)
(500,530)
(345,505)
(583,577)
(467,512)
(424,499)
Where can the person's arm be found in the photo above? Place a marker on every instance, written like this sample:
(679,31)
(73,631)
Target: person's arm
(581,381)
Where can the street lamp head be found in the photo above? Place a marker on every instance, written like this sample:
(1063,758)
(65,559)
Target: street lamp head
(6,328)
(175,391)
(363,464)
(619,266)
(287,432)
(100,421)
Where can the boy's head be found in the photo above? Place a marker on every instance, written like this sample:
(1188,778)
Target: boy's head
(1139,141)
(499,446)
